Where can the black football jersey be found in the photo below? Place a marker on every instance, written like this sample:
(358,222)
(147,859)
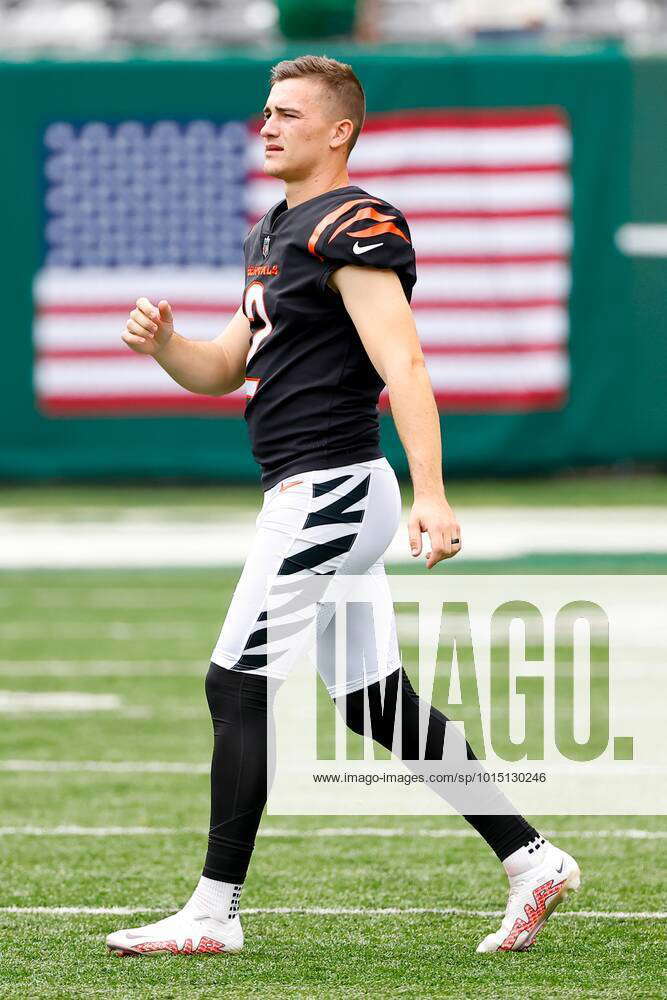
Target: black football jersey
(311,389)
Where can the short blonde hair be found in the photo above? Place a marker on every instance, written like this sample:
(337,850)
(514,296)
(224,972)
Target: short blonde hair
(340,80)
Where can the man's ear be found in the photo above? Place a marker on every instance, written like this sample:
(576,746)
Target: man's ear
(342,133)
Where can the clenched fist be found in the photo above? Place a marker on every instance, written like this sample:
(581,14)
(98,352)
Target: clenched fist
(149,328)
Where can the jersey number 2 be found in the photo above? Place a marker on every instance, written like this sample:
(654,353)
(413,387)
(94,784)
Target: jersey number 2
(254,309)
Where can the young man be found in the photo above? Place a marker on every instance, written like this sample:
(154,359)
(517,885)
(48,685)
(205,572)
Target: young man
(325,323)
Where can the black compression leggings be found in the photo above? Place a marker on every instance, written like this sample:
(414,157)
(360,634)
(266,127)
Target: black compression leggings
(239,702)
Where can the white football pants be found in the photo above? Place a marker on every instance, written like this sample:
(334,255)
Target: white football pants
(312,526)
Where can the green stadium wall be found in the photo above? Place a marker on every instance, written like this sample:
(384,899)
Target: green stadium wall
(617,108)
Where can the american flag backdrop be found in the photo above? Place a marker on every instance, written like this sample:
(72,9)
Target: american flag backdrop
(161,208)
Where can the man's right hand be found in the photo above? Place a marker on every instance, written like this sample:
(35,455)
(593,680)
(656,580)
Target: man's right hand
(149,328)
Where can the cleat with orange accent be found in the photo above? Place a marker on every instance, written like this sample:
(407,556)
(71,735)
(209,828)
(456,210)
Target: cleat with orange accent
(534,896)
(180,934)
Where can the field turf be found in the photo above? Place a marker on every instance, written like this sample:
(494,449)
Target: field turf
(144,637)
(84,838)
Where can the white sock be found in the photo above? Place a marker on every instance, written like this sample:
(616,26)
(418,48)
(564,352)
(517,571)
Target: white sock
(527,857)
(219,900)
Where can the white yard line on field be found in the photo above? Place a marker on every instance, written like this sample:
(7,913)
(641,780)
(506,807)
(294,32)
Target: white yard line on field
(98,831)
(488,533)
(332,911)
(622,833)
(52,702)
(80,514)
(108,766)
(195,768)
(183,767)
(109,598)
(39,629)
(103,668)
(72,830)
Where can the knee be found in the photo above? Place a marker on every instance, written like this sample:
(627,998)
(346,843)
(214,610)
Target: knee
(212,687)
(223,689)
(232,694)
(382,706)
(213,684)
(353,709)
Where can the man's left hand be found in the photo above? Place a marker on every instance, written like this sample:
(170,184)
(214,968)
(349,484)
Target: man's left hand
(436,517)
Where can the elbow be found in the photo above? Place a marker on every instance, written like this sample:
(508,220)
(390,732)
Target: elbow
(405,368)
(223,389)
(228,379)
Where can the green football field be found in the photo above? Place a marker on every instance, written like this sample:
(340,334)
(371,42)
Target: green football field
(104,803)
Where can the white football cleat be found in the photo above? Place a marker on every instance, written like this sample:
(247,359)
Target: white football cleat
(180,934)
(533,898)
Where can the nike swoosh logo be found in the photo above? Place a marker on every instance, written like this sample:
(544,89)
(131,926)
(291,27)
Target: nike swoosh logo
(286,486)
(369,246)
(562,862)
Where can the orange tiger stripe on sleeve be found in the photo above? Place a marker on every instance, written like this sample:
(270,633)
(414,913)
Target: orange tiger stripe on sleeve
(331,217)
(369,213)
(378,230)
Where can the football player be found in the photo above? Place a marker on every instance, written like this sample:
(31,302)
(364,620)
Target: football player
(324,325)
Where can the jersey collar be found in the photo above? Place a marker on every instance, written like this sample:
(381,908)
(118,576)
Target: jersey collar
(279,211)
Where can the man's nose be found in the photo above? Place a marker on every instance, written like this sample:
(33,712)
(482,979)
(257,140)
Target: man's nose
(268,128)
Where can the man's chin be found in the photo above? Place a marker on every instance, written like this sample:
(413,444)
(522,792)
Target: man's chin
(272,169)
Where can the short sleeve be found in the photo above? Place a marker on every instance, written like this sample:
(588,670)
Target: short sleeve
(368,233)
